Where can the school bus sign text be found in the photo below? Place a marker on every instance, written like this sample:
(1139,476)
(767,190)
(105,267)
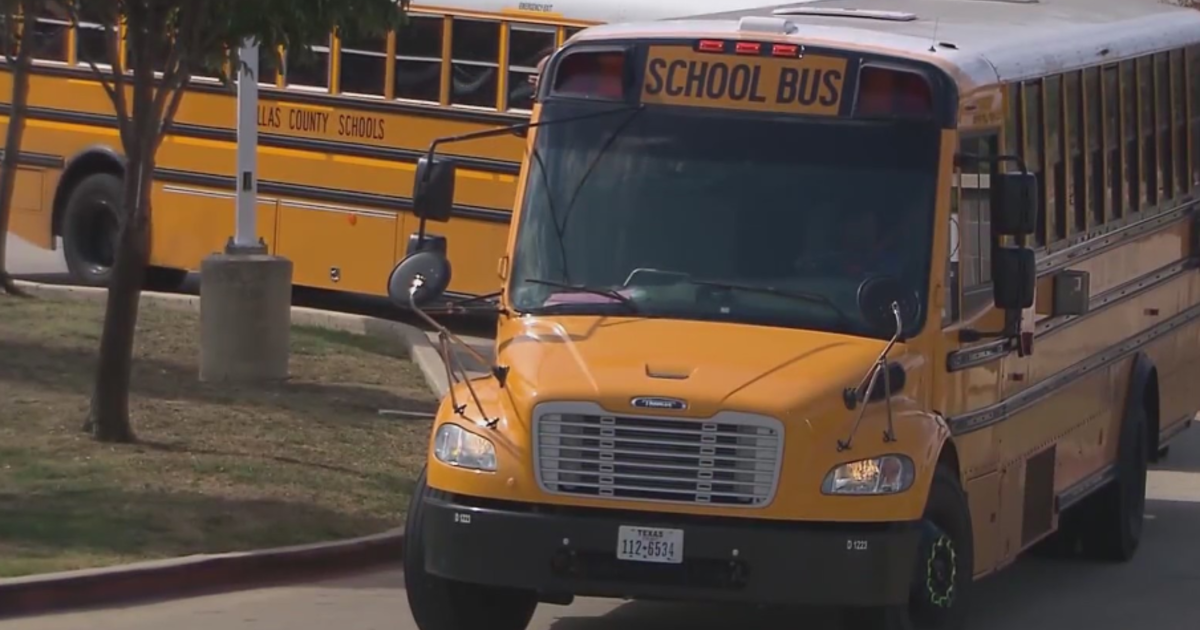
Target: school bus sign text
(676,75)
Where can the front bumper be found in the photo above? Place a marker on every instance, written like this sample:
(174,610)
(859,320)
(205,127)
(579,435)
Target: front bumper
(573,551)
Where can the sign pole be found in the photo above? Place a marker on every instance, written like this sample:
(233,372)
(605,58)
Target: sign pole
(246,231)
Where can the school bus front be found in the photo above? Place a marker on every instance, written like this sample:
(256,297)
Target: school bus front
(716,240)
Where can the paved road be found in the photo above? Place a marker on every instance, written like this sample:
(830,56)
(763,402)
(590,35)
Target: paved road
(1158,590)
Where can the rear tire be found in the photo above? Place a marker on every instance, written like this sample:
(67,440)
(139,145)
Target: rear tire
(1107,525)
(90,233)
(944,575)
(441,604)
(91,221)
(1115,515)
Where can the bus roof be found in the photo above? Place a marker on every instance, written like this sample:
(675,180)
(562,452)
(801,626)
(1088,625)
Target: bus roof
(599,11)
(980,42)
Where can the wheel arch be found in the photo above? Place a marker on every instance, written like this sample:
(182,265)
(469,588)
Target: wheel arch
(94,159)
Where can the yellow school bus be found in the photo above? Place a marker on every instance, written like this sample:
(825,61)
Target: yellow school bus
(809,306)
(339,134)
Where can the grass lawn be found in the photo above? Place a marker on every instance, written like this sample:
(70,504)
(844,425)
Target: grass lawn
(216,468)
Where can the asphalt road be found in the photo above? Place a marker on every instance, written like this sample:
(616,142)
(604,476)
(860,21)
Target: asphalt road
(1158,591)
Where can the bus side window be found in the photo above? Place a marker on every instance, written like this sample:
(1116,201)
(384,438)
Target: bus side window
(474,62)
(418,72)
(308,69)
(269,65)
(91,38)
(974,212)
(528,47)
(362,65)
(50,33)
(1193,71)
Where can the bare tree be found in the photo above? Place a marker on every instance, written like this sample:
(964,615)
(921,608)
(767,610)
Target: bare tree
(166,41)
(19,39)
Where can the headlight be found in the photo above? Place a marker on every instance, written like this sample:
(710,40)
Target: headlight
(457,446)
(888,474)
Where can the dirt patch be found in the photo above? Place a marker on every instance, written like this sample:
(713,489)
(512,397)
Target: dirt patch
(217,468)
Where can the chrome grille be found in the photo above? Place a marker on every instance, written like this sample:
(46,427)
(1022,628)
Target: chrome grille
(731,459)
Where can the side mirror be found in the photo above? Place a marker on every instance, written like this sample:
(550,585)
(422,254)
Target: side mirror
(1014,276)
(419,279)
(433,189)
(1014,204)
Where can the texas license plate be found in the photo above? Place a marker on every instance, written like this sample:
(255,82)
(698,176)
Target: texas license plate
(650,544)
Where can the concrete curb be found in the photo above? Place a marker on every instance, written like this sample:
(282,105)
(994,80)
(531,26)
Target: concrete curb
(424,354)
(195,575)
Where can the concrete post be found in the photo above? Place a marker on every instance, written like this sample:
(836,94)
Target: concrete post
(245,293)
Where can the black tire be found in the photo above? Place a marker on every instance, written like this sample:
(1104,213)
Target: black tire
(1112,520)
(90,225)
(440,604)
(91,222)
(943,578)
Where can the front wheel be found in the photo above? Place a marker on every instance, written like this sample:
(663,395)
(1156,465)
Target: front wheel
(441,604)
(943,574)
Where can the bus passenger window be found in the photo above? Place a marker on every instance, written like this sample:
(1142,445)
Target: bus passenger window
(1096,190)
(1056,171)
(1193,71)
(474,62)
(1129,105)
(91,40)
(50,33)
(363,65)
(1145,73)
(1179,116)
(308,69)
(527,46)
(268,66)
(1035,128)
(419,59)
(1162,123)
(569,32)
(1112,141)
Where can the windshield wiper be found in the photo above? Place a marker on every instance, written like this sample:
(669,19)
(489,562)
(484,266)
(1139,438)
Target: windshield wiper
(798,295)
(583,288)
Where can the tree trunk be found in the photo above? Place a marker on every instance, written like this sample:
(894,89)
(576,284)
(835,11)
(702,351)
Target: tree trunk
(108,418)
(12,153)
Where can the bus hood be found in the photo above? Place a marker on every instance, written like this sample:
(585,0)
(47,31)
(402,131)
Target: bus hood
(711,366)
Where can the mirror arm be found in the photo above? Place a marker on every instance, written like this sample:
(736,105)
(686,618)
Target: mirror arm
(1011,330)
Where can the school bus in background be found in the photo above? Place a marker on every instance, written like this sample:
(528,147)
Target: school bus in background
(339,133)
(804,306)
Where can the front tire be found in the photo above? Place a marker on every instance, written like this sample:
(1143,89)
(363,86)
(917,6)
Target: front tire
(441,604)
(943,575)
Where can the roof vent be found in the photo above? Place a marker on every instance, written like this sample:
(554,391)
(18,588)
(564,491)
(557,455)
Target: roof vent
(761,24)
(891,16)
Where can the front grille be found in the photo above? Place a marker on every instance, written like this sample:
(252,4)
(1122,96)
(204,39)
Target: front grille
(732,459)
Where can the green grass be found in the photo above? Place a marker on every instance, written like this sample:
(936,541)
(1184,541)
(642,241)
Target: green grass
(216,468)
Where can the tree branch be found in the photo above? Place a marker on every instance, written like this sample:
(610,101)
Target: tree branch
(115,89)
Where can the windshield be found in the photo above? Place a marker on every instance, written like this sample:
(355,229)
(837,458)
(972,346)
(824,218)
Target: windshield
(665,212)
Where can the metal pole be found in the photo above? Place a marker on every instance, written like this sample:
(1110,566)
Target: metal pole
(246,231)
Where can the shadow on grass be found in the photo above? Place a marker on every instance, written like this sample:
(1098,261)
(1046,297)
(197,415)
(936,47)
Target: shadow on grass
(72,370)
(66,529)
